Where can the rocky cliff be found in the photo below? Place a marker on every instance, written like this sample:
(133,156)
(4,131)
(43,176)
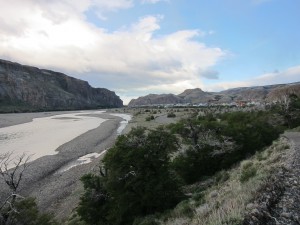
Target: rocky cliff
(26,88)
(197,96)
(153,99)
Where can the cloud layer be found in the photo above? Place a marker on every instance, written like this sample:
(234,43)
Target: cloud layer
(289,75)
(56,34)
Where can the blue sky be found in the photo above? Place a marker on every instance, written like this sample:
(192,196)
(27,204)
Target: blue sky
(137,47)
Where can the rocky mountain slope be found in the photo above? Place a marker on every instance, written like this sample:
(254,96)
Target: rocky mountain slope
(26,88)
(153,99)
(197,96)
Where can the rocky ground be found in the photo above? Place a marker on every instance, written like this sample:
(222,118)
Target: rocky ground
(279,201)
(55,192)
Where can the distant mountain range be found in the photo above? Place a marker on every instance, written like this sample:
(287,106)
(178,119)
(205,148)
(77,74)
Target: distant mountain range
(198,96)
(27,88)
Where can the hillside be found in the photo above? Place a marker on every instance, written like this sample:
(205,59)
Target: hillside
(26,88)
(198,96)
(156,99)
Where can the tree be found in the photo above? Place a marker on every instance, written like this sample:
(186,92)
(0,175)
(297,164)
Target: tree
(16,209)
(27,213)
(12,177)
(286,99)
(94,203)
(136,179)
(214,144)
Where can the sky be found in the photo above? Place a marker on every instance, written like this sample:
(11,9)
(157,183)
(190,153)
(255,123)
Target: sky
(138,47)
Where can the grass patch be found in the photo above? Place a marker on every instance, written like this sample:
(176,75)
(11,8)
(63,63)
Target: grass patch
(247,173)
(224,202)
(296,129)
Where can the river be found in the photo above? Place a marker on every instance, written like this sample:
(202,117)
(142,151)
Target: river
(42,136)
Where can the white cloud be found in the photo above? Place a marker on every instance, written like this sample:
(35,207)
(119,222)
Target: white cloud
(56,35)
(289,75)
(152,1)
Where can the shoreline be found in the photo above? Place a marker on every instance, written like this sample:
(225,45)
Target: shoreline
(11,119)
(59,193)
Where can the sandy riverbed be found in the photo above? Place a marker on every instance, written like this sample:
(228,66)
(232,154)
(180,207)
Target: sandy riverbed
(42,136)
(59,192)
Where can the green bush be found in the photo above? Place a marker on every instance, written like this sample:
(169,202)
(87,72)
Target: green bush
(222,176)
(217,142)
(199,197)
(27,213)
(148,220)
(171,115)
(149,118)
(247,164)
(247,173)
(184,209)
(233,221)
(261,156)
(137,179)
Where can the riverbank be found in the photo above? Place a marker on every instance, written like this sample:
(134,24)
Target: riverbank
(58,192)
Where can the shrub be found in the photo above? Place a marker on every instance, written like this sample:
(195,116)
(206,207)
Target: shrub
(137,179)
(149,220)
(184,209)
(233,221)
(246,164)
(261,156)
(215,144)
(149,118)
(247,173)
(222,176)
(171,115)
(199,197)
(27,213)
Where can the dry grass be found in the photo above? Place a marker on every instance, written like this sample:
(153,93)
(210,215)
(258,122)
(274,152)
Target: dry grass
(225,202)
(160,115)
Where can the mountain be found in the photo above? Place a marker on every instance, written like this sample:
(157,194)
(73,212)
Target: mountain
(197,96)
(153,99)
(27,88)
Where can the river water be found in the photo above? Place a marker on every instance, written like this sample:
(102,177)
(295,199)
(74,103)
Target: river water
(43,136)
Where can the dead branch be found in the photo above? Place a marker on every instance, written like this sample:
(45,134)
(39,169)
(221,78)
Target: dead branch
(12,177)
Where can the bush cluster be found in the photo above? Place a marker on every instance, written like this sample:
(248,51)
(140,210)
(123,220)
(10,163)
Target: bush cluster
(136,180)
(149,118)
(143,174)
(218,142)
(171,115)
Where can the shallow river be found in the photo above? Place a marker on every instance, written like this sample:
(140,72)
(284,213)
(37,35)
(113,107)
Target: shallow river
(43,136)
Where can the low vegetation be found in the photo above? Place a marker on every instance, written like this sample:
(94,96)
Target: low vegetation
(205,168)
(16,209)
(226,196)
(176,174)
(135,180)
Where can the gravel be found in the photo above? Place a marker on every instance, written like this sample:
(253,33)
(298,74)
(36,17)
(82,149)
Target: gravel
(59,193)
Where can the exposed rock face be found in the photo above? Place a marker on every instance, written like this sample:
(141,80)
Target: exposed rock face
(26,88)
(156,99)
(196,96)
